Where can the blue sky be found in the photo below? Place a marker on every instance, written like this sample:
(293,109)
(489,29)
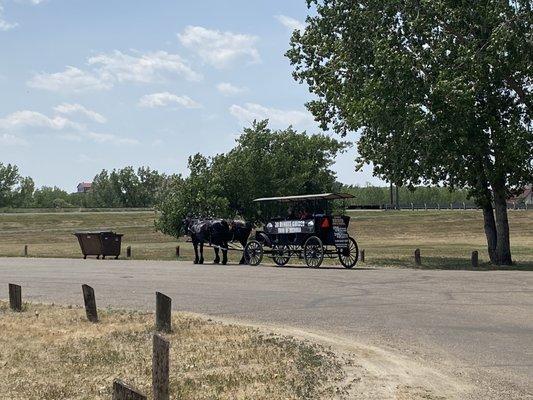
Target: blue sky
(87,85)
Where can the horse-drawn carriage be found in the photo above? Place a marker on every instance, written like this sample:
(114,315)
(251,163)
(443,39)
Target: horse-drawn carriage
(310,232)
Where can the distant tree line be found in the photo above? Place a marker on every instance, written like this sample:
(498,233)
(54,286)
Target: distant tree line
(119,188)
(380,195)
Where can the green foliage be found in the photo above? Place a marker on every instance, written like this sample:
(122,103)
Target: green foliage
(126,188)
(51,197)
(15,190)
(440,90)
(263,163)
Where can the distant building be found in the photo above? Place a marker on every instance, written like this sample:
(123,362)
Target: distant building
(84,187)
(526,197)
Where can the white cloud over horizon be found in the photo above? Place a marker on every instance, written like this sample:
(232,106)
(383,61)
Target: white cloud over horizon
(165,99)
(290,23)
(64,128)
(5,25)
(7,139)
(219,48)
(66,108)
(34,119)
(115,67)
(72,79)
(277,117)
(228,89)
(142,68)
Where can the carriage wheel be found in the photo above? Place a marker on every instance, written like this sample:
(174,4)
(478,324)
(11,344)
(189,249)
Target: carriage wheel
(281,254)
(313,252)
(253,252)
(349,256)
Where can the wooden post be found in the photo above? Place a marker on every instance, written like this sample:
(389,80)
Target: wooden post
(177,251)
(475,259)
(418,259)
(15,297)
(163,312)
(122,391)
(25,250)
(128,251)
(90,303)
(160,367)
(363,255)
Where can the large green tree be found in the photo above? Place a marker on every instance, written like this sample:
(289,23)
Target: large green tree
(440,91)
(264,162)
(268,162)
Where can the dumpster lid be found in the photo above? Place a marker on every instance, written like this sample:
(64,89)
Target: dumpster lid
(93,232)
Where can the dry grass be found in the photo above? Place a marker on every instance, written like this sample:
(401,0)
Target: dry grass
(446,238)
(50,353)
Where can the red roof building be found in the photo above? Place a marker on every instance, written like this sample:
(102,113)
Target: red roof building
(84,187)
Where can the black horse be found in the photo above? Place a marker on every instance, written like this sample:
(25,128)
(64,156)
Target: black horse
(212,231)
(239,232)
(218,233)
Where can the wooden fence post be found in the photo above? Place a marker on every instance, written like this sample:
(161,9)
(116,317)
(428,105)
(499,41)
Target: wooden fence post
(163,312)
(122,391)
(177,251)
(25,250)
(418,259)
(160,367)
(15,297)
(475,259)
(363,255)
(128,251)
(90,303)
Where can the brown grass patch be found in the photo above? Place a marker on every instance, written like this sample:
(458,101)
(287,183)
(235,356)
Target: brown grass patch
(50,352)
(446,238)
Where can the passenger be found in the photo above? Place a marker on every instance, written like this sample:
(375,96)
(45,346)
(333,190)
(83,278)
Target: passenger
(291,214)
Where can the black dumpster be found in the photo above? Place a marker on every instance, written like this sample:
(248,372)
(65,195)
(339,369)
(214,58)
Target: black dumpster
(101,243)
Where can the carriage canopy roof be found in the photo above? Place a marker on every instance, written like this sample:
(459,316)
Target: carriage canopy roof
(321,196)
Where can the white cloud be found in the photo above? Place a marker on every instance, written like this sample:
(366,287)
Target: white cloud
(143,68)
(279,118)
(7,139)
(108,69)
(217,48)
(62,127)
(5,25)
(109,138)
(72,79)
(290,23)
(228,89)
(66,108)
(26,118)
(166,99)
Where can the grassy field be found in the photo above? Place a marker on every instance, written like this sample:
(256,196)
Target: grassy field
(445,238)
(50,352)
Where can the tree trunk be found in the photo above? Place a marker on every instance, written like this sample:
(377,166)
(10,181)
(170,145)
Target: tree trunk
(503,244)
(490,232)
